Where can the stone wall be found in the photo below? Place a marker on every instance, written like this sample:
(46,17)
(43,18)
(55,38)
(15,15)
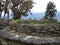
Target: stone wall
(17,42)
(10,42)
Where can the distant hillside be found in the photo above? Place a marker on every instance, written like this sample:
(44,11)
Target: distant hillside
(34,15)
(39,15)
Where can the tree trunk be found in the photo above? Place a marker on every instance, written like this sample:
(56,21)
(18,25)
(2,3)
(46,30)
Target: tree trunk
(17,17)
(0,15)
(0,18)
(4,16)
(8,16)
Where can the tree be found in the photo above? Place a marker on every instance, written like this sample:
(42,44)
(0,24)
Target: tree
(50,11)
(1,8)
(21,8)
(7,7)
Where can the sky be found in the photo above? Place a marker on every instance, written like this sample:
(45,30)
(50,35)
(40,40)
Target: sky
(40,5)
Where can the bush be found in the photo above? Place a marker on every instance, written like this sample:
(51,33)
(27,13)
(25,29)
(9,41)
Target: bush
(14,23)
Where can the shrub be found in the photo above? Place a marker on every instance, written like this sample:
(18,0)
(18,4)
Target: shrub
(14,23)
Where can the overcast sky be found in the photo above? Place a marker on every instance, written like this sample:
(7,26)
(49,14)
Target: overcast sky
(40,5)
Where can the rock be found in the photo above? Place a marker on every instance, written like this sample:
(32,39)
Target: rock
(45,28)
(56,27)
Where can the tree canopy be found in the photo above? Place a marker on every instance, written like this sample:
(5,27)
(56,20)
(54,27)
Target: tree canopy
(1,8)
(50,11)
(18,7)
(21,8)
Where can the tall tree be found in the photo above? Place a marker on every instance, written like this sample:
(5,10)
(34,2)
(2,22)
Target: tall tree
(21,8)
(1,8)
(50,11)
(7,7)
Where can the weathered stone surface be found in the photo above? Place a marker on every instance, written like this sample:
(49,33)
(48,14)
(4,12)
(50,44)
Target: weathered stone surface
(29,39)
(37,30)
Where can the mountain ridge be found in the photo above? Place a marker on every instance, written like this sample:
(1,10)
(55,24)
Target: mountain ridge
(40,15)
(36,15)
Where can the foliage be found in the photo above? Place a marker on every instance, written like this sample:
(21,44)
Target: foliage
(15,22)
(50,11)
(18,7)
(4,6)
(21,8)
(1,8)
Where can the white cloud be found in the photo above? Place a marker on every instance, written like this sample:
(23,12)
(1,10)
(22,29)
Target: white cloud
(40,5)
